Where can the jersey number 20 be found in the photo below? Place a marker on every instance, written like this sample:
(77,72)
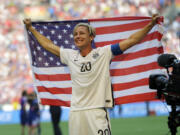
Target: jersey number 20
(86,67)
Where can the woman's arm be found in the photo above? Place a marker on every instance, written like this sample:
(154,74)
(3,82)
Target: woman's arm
(43,41)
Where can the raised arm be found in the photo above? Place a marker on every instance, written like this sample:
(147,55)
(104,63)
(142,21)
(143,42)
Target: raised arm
(139,35)
(43,41)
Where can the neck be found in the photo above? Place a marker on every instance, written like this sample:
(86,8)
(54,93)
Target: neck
(85,51)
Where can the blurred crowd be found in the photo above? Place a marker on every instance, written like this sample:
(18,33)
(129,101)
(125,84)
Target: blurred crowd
(15,70)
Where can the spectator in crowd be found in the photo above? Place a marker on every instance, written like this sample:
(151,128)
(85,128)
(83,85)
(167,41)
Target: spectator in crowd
(23,111)
(33,115)
(55,112)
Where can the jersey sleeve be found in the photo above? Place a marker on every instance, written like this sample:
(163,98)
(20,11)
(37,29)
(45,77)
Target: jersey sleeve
(112,50)
(64,56)
(108,52)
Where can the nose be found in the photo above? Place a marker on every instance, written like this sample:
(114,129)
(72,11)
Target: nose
(77,35)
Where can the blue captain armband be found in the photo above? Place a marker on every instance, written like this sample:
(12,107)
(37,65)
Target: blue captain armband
(116,50)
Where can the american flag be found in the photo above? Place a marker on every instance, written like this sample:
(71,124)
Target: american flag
(129,71)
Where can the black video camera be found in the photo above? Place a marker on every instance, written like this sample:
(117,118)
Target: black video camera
(169,83)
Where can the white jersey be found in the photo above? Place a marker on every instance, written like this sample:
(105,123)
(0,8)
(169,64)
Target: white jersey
(91,83)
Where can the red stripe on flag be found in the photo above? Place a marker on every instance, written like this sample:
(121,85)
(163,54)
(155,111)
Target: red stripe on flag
(56,77)
(55,90)
(135,69)
(121,28)
(132,84)
(55,102)
(149,37)
(152,36)
(139,54)
(135,98)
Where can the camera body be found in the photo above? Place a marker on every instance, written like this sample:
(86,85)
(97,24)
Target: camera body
(170,83)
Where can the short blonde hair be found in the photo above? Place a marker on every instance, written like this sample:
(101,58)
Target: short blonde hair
(92,31)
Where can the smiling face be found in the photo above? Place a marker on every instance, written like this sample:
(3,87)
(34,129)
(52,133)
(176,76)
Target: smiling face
(82,38)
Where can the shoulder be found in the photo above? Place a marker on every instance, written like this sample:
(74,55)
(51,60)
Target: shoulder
(67,54)
(104,51)
(66,50)
(104,48)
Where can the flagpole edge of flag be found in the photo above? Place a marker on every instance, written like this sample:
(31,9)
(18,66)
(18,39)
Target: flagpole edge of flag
(30,56)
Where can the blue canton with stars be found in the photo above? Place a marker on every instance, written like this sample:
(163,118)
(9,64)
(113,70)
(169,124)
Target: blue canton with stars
(60,33)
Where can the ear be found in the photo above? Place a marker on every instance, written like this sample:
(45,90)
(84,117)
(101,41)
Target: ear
(91,38)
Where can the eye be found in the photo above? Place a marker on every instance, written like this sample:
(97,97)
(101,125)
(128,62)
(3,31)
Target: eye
(74,34)
(81,33)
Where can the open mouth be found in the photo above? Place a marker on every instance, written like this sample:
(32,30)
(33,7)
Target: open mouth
(79,41)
